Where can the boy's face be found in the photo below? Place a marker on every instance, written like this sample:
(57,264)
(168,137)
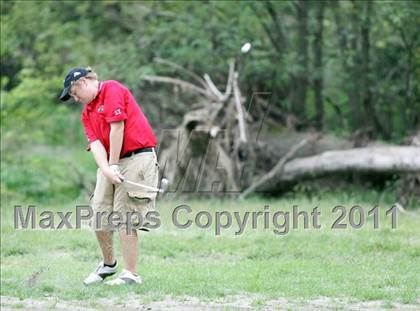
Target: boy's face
(84,91)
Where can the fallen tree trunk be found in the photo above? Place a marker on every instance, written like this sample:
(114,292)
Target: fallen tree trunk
(389,159)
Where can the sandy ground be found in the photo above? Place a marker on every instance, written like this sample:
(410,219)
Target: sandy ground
(186,303)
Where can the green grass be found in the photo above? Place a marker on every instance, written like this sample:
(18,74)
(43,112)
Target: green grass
(362,264)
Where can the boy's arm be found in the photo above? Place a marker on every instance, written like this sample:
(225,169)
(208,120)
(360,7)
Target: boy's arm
(116,137)
(99,153)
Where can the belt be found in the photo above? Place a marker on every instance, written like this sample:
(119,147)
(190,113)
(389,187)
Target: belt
(141,150)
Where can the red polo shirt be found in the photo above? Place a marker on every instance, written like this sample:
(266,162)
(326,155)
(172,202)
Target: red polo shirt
(113,103)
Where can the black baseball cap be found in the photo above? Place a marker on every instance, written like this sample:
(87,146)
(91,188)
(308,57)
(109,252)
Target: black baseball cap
(72,76)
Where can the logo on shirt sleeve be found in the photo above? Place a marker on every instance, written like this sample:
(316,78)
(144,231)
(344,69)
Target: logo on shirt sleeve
(117,112)
(101,108)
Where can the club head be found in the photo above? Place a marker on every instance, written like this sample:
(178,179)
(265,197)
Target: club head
(164,183)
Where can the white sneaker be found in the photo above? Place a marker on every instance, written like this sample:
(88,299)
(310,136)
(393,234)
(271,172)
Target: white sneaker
(100,274)
(125,277)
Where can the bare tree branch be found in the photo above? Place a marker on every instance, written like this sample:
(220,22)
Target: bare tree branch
(212,87)
(183,84)
(239,109)
(180,68)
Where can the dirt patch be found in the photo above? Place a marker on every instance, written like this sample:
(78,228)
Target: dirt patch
(187,303)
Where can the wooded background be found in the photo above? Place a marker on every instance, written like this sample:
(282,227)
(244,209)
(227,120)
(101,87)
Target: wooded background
(347,68)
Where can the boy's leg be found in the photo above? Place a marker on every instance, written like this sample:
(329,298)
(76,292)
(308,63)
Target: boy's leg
(136,202)
(105,240)
(102,205)
(129,249)
(108,266)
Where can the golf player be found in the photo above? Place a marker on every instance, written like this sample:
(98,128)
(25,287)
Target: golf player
(123,145)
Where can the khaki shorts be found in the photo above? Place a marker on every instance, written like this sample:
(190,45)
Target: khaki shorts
(124,205)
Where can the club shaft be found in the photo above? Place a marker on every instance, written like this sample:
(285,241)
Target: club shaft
(143,186)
